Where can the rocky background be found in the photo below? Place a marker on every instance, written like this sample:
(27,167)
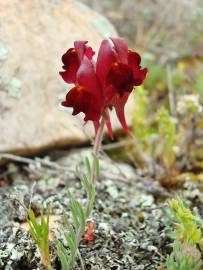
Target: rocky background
(33,37)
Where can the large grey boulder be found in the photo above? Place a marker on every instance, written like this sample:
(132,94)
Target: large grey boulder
(33,36)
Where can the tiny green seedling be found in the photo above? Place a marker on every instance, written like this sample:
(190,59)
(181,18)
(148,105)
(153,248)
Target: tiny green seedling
(40,234)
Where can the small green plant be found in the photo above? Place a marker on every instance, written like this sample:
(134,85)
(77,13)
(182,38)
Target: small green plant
(188,229)
(184,258)
(167,135)
(80,215)
(188,238)
(164,144)
(140,125)
(40,234)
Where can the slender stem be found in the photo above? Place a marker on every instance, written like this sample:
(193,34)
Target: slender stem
(99,136)
(81,260)
(96,149)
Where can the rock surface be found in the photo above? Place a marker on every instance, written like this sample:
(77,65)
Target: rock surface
(33,36)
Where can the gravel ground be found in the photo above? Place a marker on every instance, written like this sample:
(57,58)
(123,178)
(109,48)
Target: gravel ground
(130,221)
(129,226)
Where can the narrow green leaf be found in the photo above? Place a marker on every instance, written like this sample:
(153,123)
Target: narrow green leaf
(71,245)
(42,219)
(74,216)
(97,165)
(48,215)
(82,216)
(65,220)
(90,189)
(33,233)
(80,212)
(90,207)
(73,210)
(73,235)
(70,228)
(34,220)
(86,184)
(44,227)
(93,192)
(62,253)
(88,167)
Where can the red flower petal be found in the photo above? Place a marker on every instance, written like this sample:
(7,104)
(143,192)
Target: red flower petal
(86,77)
(89,53)
(71,65)
(121,48)
(119,104)
(120,76)
(72,59)
(139,75)
(86,95)
(82,101)
(82,50)
(106,57)
(133,58)
(80,47)
(69,57)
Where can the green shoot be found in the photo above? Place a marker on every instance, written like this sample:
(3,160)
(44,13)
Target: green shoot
(184,258)
(188,229)
(40,234)
(79,215)
(188,238)
(97,168)
(167,135)
(140,115)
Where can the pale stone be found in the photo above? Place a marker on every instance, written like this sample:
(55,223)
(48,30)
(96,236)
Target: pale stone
(33,36)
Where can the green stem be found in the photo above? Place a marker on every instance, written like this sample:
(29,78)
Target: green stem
(96,149)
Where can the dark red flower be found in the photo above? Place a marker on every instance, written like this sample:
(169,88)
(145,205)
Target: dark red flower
(86,95)
(104,86)
(119,71)
(72,59)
